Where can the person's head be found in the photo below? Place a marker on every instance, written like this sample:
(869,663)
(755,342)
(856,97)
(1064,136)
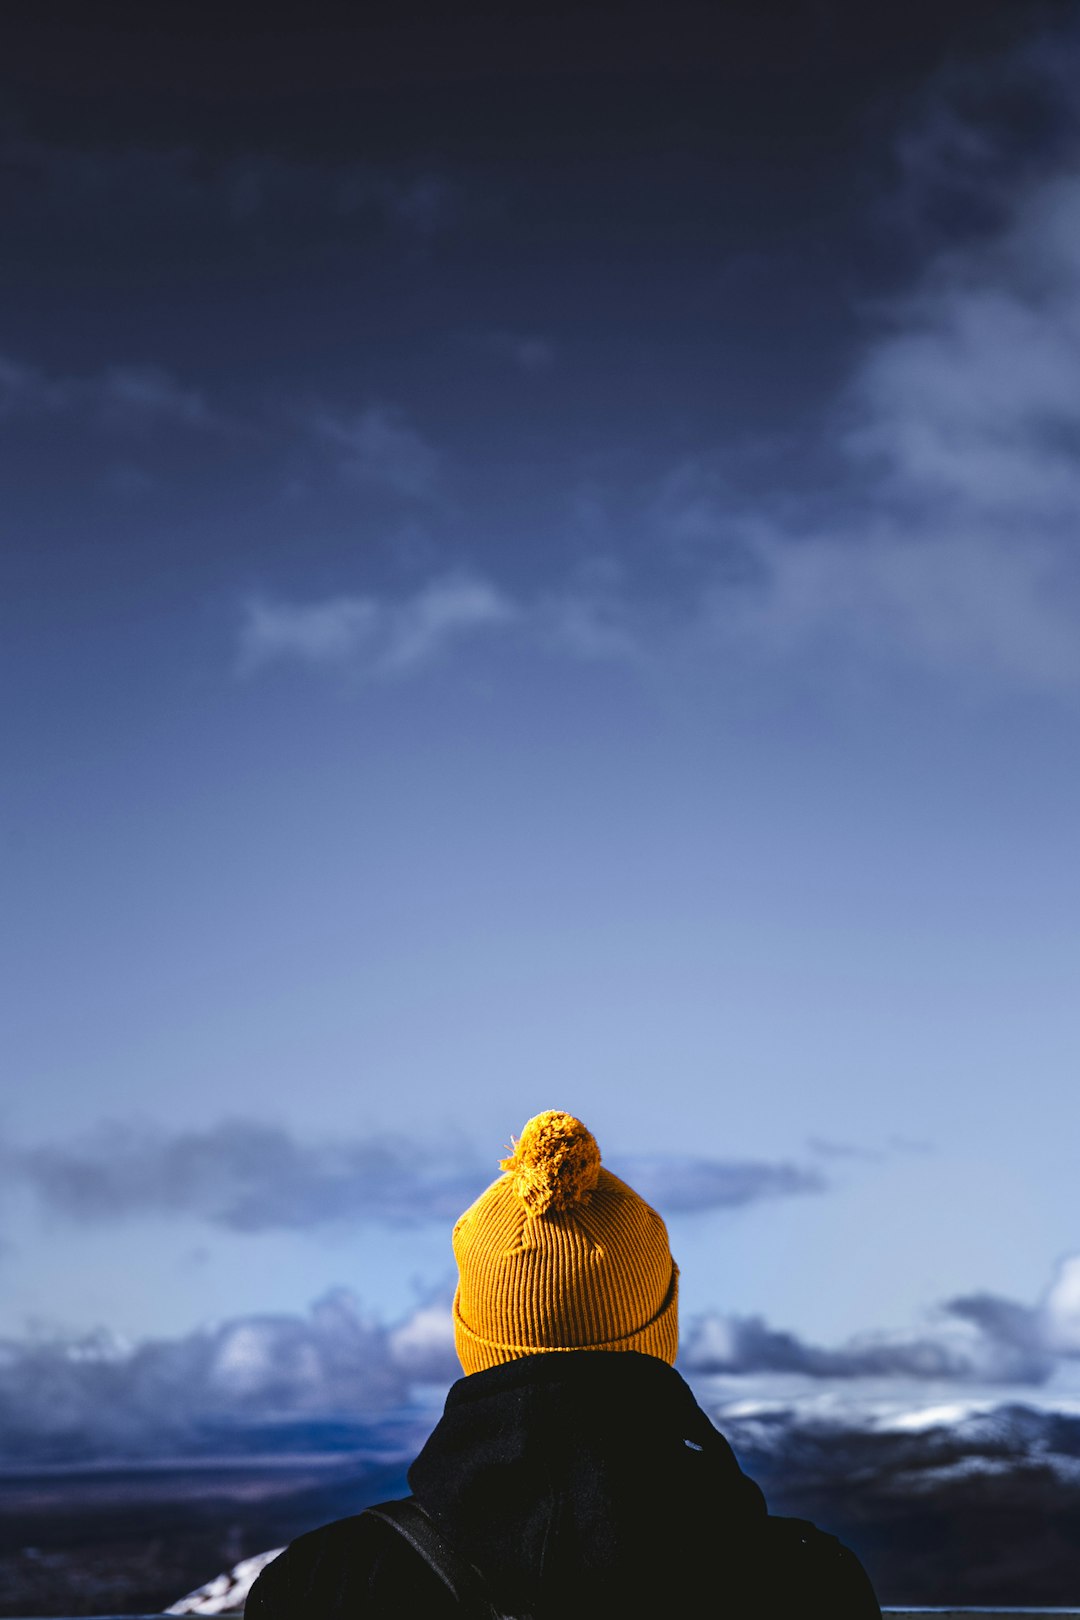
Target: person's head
(559,1254)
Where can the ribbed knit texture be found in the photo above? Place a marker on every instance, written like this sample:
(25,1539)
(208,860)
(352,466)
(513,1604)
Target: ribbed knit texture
(587,1266)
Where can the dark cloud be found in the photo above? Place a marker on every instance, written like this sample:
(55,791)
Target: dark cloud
(980,1338)
(249,1176)
(243,1175)
(980,128)
(680,1186)
(1003,1321)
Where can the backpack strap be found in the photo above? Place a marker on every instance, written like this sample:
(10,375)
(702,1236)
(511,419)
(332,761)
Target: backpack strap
(464,1580)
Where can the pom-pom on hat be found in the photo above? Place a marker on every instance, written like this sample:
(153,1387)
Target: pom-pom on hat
(555,1163)
(559,1254)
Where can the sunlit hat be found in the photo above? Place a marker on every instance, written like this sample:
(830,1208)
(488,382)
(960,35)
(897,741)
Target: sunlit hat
(559,1254)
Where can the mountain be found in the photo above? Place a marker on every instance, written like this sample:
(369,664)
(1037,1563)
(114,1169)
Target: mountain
(949,1499)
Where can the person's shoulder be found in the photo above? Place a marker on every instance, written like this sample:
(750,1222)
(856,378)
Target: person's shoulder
(315,1564)
(341,1567)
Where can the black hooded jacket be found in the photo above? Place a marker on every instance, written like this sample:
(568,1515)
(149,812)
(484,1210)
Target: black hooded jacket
(583,1483)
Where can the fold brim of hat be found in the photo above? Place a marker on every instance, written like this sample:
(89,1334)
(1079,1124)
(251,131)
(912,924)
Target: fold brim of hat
(658,1337)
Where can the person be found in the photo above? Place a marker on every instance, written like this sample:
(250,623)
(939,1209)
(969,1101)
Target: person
(573,1472)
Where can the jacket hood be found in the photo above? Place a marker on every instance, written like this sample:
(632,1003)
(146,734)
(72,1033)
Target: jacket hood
(566,1477)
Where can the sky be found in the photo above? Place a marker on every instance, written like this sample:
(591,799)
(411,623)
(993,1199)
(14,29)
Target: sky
(540,570)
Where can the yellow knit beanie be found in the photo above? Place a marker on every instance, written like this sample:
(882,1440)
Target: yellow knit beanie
(559,1254)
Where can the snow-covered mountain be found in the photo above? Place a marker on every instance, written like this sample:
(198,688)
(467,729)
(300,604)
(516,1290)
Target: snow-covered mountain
(953,1470)
(225,1594)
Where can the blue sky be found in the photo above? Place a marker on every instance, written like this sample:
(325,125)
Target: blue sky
(541,580)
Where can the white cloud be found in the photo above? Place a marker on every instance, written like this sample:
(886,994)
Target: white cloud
(423,624)
(1060,1311)
(369,635)
(952,538)
(379,447)
(380,638)
(964,599)
(950,542)
(330,632)
(592,619)
(974,397)
(980,1340)
(97,1396)
(974,1338)
(423,1345)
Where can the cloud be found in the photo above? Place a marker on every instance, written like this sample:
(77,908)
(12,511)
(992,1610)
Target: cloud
(439,613)
(971,399)
(422,1346)
(981,130)
(688,1186)
(595,631)
(731,1344)
(131,396)
(245,1176)
(974,1337)
(63,1398)
(248,1176)
(379,448)
(927,519)
(127,399)
(368,635)
(26,391)
(941,528)
(959,601)
(1059,1313)
(592,617)
(379,637)
(330,632)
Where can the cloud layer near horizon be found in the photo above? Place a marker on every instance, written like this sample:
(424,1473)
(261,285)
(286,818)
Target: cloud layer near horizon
(972,1337)
(63,1399)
